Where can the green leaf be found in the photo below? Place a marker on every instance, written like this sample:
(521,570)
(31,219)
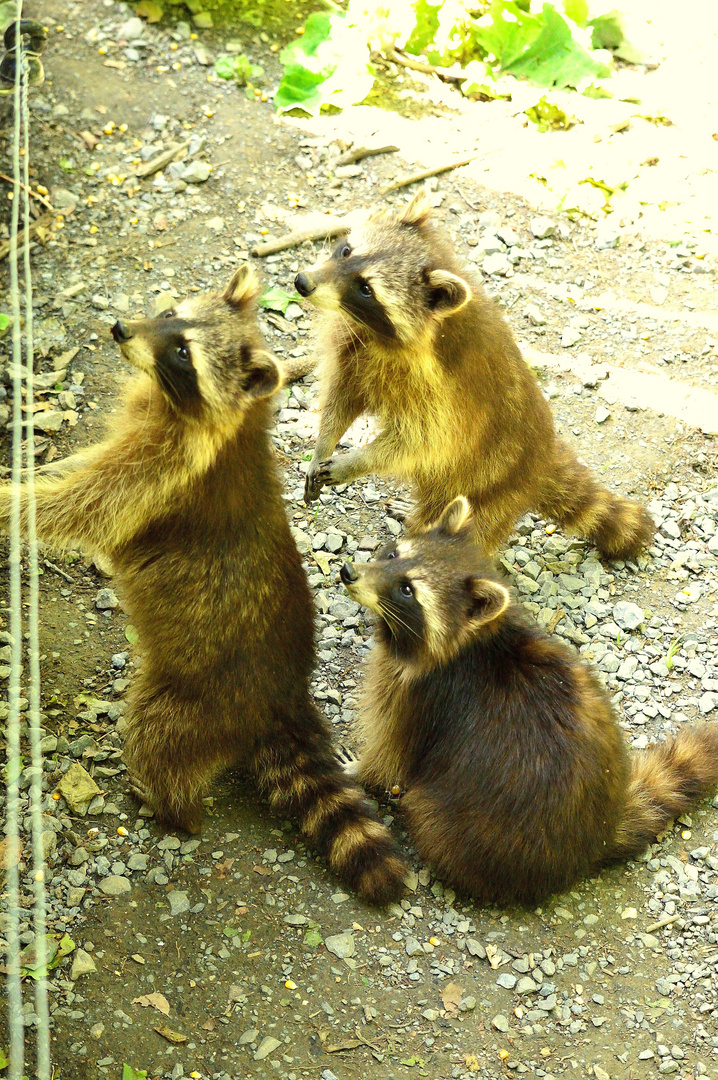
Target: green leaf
(67,164)
(276,299)
(427,24)
(576,10)
(65,946)
(313,938)
(29,960)
(608,31)
(131,634)
(246,935)
(547,116)
(4,1059)
(506,32)
(327,65)
(148,9)
(128,1073)
(240,68)
(230,931)
(554,58)
(4,321)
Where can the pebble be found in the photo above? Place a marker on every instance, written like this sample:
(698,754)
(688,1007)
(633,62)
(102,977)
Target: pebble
(106,600)
(178,901)
(196,172)
(267,1046)
(114,885)
(627,615)
(542,227)
(82,964)
(500,1022)
(341,945)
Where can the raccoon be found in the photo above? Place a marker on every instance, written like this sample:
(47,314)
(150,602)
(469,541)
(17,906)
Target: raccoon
(517,779)
(408,335)
(184,497)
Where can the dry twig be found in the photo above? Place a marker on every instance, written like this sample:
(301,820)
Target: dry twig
(414,178)
(294,239)
(361,152)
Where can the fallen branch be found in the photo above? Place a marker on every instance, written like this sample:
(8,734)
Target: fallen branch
(668,921)
(294,239)
(361,152)
(163,159)
(41,223)
(33,194)
(414,178)
(555,620)
(454,75)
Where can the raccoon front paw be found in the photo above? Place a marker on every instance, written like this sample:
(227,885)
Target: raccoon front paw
(189,819)
(348,761)
(317,476)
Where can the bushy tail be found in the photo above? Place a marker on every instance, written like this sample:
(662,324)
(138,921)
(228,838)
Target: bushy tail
(300,775)
(666,780)
(620,528)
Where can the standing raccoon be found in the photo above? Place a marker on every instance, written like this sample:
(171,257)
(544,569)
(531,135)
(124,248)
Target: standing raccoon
(517,778)
(409,336)
(184,498)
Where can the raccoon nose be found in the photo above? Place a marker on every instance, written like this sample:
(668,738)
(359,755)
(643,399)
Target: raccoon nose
(304,284)
(120,332)
(348,574)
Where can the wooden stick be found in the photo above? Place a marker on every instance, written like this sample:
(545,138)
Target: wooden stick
(414,178)
(361,152)
(159,162)
(445,74)
(34,194)
(668,921)
(294,239)
(41,223)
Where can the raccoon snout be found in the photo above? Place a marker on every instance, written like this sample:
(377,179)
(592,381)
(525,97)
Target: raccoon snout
(120,332)
(348,574)
(304,284)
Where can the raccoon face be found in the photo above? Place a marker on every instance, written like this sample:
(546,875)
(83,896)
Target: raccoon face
(433,592)
(206,355)
(392,275)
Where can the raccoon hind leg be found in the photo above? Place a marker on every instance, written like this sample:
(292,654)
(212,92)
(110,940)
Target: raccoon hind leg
(297,769)
(170,758)
(620,528)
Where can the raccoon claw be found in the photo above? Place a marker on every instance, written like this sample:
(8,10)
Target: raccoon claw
(141,793)
(315,480)
(348,761)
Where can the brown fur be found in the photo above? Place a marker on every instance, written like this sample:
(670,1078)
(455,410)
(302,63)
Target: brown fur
(184,498)
(516,775)
(460,411)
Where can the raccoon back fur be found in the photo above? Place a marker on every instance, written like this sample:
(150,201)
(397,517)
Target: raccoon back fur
(184,498)
(516,775)
(408,335)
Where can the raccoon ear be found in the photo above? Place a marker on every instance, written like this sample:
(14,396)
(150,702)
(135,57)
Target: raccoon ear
(418,211)
(262,375)
(488,600)
(449,293)
(242,287)
(456,515)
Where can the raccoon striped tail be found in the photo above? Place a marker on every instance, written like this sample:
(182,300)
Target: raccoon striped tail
(300,775)
(620,528)
(667,779)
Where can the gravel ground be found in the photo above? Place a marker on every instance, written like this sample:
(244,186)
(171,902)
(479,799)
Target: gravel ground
(233,955)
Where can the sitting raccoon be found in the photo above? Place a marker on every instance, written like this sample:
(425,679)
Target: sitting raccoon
(517,779)
(408,335)
(184,497)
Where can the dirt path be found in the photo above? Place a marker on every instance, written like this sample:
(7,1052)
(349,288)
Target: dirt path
(262,966)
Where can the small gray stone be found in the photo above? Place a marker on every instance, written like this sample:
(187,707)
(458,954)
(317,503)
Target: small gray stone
(248,1036)
(48,420)
(82,964)
(507,980)
(138,861)
(178,901)
(341,945)
(131,30)
(602,414)
(216,224)
(114,885)
(106,600)
(526,986)
(267,1046)
(496,265)
(500,1022)
(542,227)
(196,172)
(628,616)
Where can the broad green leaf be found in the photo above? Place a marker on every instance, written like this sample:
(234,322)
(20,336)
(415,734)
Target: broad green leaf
(276,299)
(148,9)
(240,68)
(4,1059)
(313,938)
(576,10)
(554,58)
(506,32)
(427,24)
(327,65)
(128,1073)
(608,31)
(4,322)
(64,947)
(29,959)
(67,164)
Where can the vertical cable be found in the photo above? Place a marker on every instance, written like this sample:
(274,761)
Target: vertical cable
(17,1055)
(42,1062)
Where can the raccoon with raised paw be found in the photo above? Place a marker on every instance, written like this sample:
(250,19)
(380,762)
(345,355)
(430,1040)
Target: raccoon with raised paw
(516,775)
(184,497)
(407,334)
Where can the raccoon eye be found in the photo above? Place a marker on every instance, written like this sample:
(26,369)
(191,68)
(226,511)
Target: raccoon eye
(169,314)
(365,288)
(345,252)
(391,554)
(406,589)
(183,352)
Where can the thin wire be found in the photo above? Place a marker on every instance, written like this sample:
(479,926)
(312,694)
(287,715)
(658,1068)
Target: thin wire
(17,1049)
(42,1058)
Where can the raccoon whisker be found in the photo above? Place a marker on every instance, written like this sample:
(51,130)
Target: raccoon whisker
(390,611)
